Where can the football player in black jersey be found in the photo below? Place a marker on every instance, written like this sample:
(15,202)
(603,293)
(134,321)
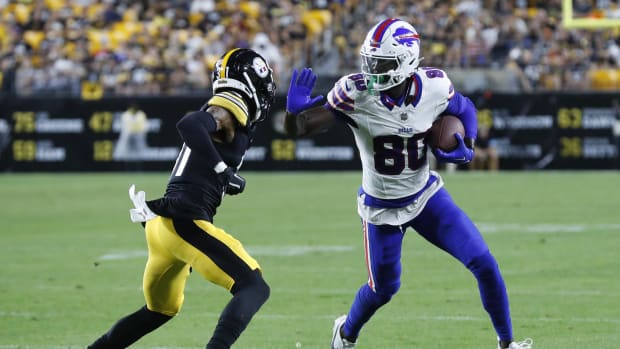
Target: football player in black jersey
(179,226)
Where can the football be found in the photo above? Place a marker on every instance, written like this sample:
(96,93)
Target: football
(441,133)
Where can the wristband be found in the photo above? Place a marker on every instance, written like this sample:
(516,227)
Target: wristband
(220,167)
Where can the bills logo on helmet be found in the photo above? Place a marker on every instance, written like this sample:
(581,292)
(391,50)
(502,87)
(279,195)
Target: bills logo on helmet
(260,67)
(406,37)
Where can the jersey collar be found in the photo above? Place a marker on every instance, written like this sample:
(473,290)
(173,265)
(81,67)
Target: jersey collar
(411,95)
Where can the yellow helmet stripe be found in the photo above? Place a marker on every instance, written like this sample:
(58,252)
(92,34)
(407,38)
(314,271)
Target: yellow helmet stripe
(225,62)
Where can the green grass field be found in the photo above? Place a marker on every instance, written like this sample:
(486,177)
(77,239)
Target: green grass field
(71,262)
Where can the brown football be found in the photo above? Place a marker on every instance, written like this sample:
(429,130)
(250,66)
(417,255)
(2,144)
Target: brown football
(441,133)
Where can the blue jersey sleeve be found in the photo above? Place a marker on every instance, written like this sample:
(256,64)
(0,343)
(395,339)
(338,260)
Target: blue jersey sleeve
(463,108)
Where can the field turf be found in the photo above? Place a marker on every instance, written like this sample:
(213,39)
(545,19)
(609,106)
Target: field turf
(71,262)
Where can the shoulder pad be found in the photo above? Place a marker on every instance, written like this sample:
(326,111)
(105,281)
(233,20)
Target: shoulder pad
(436,82)
(345,91)
(233,102)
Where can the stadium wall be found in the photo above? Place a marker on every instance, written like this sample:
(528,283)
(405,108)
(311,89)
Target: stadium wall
(538,131)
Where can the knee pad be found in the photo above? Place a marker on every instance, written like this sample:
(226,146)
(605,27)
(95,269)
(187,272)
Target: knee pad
(255,284)
(381,296)
(388,291)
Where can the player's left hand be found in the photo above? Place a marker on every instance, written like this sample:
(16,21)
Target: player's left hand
(461,155)
(299,93)
(233,183)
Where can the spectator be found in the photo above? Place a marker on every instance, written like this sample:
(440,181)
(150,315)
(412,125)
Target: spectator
(131,145)
(485,156)
(7,74)
(127,46)
(265,47)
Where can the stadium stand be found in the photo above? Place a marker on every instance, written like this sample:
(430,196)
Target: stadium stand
(119,47)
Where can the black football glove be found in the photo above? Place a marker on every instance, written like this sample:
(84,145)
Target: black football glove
(232,182)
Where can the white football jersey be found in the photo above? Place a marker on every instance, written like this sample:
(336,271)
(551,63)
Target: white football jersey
(390,134)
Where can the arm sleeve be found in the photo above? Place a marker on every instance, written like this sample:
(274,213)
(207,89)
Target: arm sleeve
(195,129)
(463,108)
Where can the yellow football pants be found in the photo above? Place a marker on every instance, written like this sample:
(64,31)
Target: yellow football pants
(176,245)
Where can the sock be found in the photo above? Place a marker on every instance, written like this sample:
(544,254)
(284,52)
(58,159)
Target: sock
(364,306)
(504,344)
(130,328)
(493,294)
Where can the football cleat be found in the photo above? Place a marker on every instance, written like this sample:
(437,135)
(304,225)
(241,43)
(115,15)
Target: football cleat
(525,344)
(337,341)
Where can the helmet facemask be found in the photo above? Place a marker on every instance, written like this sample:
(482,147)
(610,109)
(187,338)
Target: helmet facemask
(381,73)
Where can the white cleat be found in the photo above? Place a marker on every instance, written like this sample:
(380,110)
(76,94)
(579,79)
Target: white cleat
(337,341)
(526,344)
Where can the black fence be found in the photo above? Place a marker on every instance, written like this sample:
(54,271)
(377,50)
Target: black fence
(541,131)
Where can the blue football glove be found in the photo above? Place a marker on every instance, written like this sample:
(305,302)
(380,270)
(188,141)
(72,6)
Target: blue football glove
(461,155)
(299,93)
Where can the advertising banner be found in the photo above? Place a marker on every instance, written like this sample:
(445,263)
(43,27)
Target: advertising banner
(542,131)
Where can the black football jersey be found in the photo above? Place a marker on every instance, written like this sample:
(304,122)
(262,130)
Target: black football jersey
(193,190)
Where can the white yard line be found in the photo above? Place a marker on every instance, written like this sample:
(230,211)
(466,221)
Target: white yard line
(270,251)
(302,250)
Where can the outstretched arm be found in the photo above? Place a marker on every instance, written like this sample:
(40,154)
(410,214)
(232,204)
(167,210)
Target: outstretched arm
(301,117)
(309,121)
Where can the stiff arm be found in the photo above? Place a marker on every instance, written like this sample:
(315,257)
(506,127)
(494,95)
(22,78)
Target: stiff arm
(308,122)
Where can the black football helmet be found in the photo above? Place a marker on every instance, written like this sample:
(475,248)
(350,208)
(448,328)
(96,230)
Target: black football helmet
(245,71)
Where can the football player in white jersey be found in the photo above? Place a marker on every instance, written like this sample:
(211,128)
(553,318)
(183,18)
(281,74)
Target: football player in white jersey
(389,106)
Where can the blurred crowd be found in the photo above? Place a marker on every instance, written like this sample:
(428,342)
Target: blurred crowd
(123,47)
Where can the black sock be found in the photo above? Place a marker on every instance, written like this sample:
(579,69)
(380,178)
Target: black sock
(247,298)
(504,344)
(129,329)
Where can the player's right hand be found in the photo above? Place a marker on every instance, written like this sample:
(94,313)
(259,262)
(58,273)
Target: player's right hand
(232,182)
(461,155)
(299,96)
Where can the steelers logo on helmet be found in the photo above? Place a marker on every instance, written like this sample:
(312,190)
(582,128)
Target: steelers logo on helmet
(260,67)
(243,74)
(390,54)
